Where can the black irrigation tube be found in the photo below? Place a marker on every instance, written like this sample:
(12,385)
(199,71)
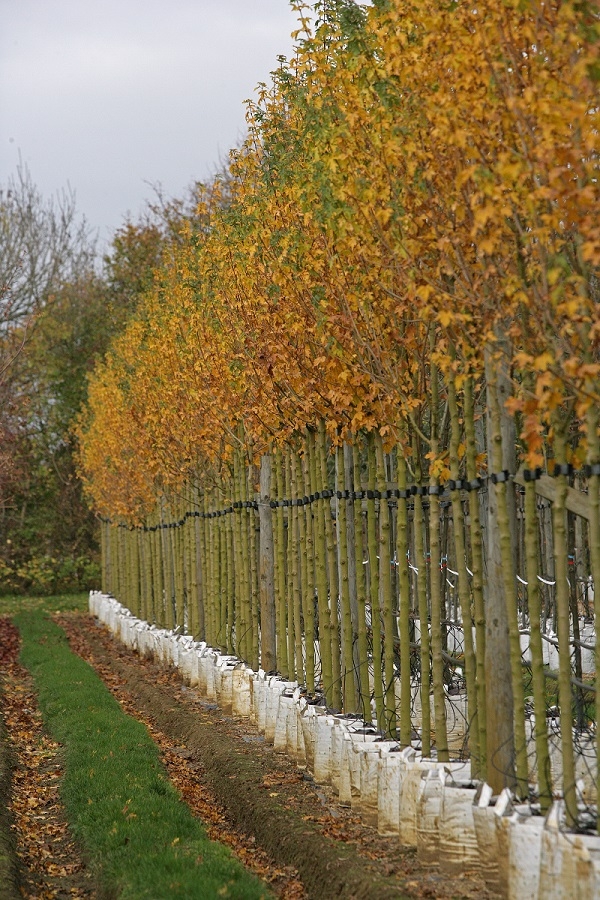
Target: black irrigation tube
(391,495)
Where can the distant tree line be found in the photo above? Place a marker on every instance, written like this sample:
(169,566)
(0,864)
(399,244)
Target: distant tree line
(61,304)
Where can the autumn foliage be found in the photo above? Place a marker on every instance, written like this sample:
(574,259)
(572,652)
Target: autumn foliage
(412,218)
(419,185)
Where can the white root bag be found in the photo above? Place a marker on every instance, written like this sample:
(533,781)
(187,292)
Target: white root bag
(518,839)
(300,756)
(275,687)
(286,707)
(260,701)
(186,659)
(241,700)
(352,762)
(409,796)
(172,651)
(198,651)
(210,667)
(202,671)
(370,761)
(337,737)
(524,848)
(345,733)
(570,863)
(487,838)
(145,640)
(291,731)
(224,682)
(253,683)
(410,789)
(433,782)
(458,841)
(388,793)
(322,758)
(309,731)
(344,781)
(127,633)
(168,649)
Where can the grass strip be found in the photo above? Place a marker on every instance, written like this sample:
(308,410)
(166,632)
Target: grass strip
(11,604)
(141,839)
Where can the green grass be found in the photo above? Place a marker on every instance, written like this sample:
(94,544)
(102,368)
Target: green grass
(11,604)
(140,839)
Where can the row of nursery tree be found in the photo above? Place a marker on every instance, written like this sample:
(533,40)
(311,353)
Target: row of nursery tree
(382,320)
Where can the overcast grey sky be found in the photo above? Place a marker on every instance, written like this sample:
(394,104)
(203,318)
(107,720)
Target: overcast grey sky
(110,96)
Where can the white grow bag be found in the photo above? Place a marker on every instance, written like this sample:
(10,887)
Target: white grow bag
(388,793)
(370,756)
(570,863)
(458,841)
(433,782)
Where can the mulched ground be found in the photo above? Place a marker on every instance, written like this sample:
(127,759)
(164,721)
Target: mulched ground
(292,831)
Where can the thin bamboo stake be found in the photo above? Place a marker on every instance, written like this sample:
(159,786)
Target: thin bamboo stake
(223,581)
(240,564)
(175,533)
(374,589)
(200,570)
(302,564)
(321,572)
(593,459)
(209,543)
(280,569)
(295,569)
(168,570)
(476,544)
(190,569)
(268,616)
(144,584)
(535,644)
(334,636)
(231,576)
(561,551)
(421,566)
(104,558)
(252,518)
(152,573)
(289,598)
(114,555)
(159,579)
(350,703)
(307,542)
(439,694)
(361,593)
(404,611)
(385,590)
(510,589)
(246,567)
(463,581)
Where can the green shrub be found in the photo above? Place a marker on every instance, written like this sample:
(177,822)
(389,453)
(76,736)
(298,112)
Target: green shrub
(45,575)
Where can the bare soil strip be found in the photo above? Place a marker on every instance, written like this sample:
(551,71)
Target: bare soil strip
(275,817)
(46,864)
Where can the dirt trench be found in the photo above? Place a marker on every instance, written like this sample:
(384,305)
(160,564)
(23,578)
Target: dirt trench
(275,815)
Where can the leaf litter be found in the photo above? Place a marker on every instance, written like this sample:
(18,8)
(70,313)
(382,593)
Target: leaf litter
(49,862)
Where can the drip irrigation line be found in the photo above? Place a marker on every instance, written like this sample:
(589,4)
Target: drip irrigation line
(392,495)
